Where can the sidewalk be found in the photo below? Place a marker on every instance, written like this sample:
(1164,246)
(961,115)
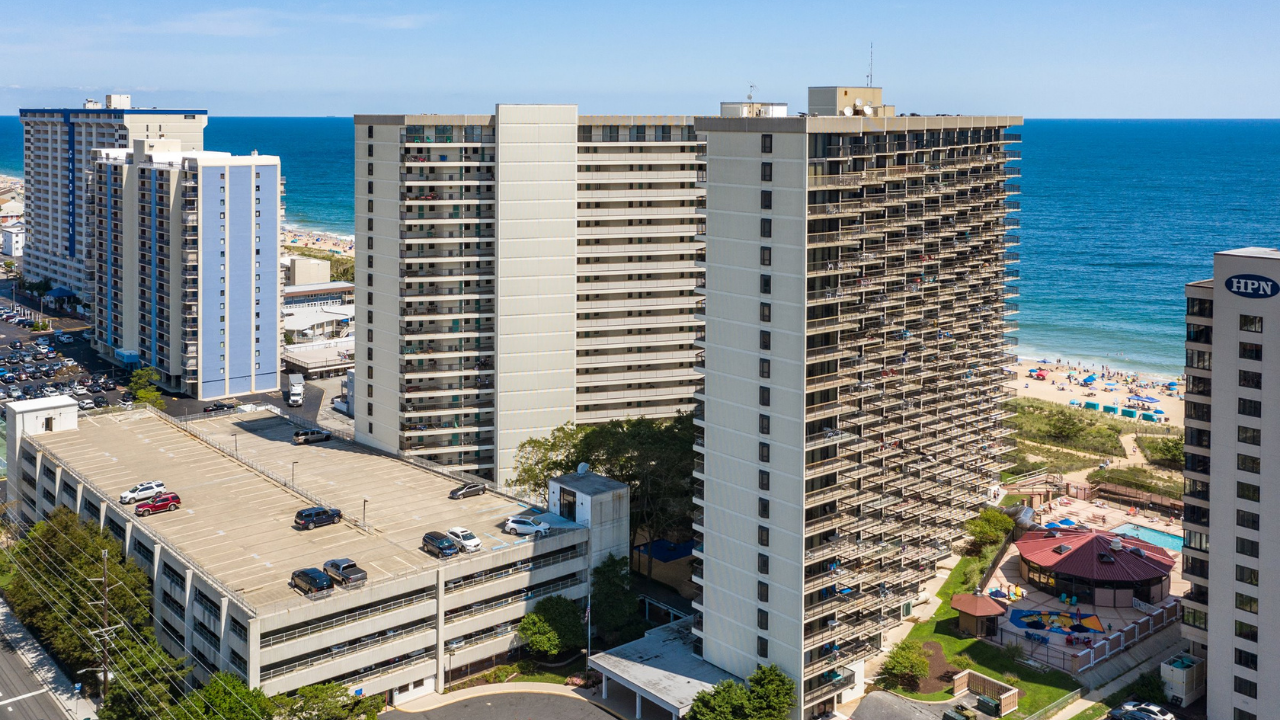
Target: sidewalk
(61,689)
(617,706)
(1097,695)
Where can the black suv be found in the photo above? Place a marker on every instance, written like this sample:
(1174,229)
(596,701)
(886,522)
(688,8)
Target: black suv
(314,517)
(439,544)
(310,580)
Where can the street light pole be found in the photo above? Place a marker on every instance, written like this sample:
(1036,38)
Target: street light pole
(363,512)
(293,474)
(236,439)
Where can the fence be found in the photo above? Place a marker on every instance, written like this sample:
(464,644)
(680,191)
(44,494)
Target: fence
(1006,696)
(1075,661)
(1052,708)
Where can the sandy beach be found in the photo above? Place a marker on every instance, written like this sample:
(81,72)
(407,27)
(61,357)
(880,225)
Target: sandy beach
(1058,386)
(8,182)
(294,236)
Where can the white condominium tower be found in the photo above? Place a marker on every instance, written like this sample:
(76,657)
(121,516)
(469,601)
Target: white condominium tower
(58,168)
(187,255)
(856,293)
(518,271)
(1232,395)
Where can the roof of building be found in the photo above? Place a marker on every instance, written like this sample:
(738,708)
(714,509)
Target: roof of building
(1089,554)
(662,666)
(307,288)
(588,483)
(976,605)
(44,403)
(111,111)
(237,522)
(297,319)
(1254,252)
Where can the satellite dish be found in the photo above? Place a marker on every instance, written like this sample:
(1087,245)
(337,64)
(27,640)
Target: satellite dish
(847,112)
(857,101)
(867,111)
(583,468)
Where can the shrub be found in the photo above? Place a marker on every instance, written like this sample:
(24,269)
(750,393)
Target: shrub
(1014,652)
(906,665)
(1149,687)
(963,662)
(527,666)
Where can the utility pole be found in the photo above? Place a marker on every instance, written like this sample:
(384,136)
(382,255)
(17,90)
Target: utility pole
(106,673)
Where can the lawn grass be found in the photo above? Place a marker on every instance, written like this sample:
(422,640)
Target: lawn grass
(1010,500)
(1039,688)
(1093,712)
(556,675)
(1099,433)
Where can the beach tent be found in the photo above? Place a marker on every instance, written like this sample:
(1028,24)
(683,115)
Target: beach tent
(1089,379)
(1150,400)
(1148,417)
(1136,398)
(1074,401)
(1111,409)
(1052,525)
(1066,522)
(1129,413)
(1090,405)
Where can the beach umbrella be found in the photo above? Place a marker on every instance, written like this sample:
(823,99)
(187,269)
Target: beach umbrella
(1036,625)
(1150,400)
(1053,526)
(1157,412)
(1090,379)
(1066,522)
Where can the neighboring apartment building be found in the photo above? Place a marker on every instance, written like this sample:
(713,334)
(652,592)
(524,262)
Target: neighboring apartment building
(187,263)
(12,238)
(57,167)
(221,567)
(518,271)
(851,421)
(1232,395)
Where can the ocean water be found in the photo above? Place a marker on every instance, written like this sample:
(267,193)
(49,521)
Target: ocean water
(1117,215)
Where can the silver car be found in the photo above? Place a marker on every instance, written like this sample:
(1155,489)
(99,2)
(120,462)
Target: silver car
(142,491)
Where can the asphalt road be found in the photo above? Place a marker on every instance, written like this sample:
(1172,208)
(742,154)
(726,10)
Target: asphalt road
(16,686)
(513,706)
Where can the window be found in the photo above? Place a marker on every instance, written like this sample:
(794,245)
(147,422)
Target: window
(1196,515)
(143,551)
(370,132)
(584,133)
(766,312)
(762,536)
(1200,334)
(173,576)
(1251,379)
(174,606)
(1196,436)
(1247,603)
(766,284)
(1247,688)
(764,424)
(1239,714)
(764,480)
(765,368)
(762,564)
(765,342)
(1248,435)
(766,171)
(1199,307)
(762,507)
(1196,463)
(1244,658)
(1250,351)
(239,630)
(766,143)
(1247,547)
(766,199)
(211,606)
(766,227)
(1248,463)
(1197,385)
(1248,491)
(764,452)
(766,255)
(762,619)
(1247,575)
(1247,520)
(1252,408)
(1245,631)
(1199,359)
(762,644)
(370,173)
(764,396)
(637,133)
(1251,323)
(1195,618)
(370,149)
(1196,540)
(762,591)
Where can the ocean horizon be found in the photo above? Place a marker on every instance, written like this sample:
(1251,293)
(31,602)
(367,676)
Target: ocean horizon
(1116,216)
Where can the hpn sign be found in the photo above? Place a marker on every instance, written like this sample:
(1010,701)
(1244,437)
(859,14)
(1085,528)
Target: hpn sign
(1253,286)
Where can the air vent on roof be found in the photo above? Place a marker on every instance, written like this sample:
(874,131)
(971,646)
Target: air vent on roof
(1137,551)
(1062,549)
(1051,534)
(1105,558)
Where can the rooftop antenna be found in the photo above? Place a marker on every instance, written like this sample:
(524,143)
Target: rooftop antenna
(751,91)
(871,67)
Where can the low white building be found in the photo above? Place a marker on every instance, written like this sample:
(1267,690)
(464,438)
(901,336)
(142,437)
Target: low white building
(12,237)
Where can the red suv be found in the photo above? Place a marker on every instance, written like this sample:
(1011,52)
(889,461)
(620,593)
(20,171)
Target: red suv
(160,503)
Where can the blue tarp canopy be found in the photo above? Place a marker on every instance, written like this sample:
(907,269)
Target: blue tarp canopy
(60,292)
(1089,379)
(1136,398)
(1150,399)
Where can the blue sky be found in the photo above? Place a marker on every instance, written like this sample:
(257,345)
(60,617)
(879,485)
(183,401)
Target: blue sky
(1117,58)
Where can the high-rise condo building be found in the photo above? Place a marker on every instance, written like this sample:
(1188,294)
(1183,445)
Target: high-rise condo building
(57,165)
(857,270)
(1235,400)
(187,265)
(518,271)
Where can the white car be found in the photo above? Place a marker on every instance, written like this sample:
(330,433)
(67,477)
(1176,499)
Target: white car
(520,525)
(464,538)
(1155,712)
(79,390)
(86,404)
(64,339)
(142,491)
(70,362)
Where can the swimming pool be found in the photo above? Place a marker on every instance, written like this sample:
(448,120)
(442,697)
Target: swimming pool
(1170,542)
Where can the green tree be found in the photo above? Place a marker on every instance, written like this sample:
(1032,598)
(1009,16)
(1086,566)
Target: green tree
(554,627)
(1064,425)
(538,635)
(614,610)
(540,459)
(225,697)
(327,701)
(143,386)
(768,695)
(906,665)
(990,527)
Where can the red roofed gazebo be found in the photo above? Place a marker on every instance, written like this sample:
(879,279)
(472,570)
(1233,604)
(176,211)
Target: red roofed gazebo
(978,614)
(1096,567)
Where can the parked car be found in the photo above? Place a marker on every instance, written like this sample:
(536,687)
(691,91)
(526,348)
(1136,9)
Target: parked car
(439,544)
(95,388)
(314,517)
(466,491)
(219,406)
(142,491)
(306,437)
(64,339)
(101,401)
(85,404)
(310,580)
(70,362)
(164,502)
(107,384)
(465,538)
(79,390)
(344,571)
(1144,709)
(521,525)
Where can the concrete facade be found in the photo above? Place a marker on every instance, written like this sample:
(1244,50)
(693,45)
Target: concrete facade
(187,247)
(57,169)
(521,270)
(1230,612)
